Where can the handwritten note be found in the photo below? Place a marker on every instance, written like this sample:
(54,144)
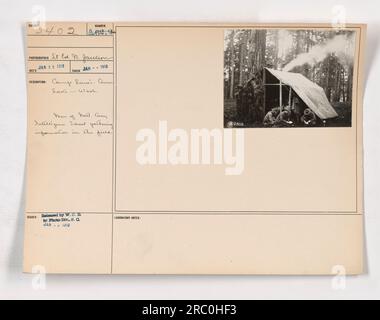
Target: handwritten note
(75,124)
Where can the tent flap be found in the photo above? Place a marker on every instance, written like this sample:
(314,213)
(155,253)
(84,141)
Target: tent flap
(311,94)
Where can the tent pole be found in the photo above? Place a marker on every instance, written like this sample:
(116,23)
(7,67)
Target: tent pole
(280,96)
(265,91)
(290,96)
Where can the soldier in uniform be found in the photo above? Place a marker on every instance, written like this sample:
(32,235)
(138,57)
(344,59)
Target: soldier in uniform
(309,118)
(270,117)
(259,100)
(284,119)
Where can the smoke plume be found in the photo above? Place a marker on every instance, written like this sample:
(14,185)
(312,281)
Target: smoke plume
(341,45)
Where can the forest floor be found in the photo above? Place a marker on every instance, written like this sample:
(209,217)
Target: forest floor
(343,109)
(229,111)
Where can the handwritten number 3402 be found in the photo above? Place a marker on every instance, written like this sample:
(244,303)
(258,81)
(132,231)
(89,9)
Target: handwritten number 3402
(58,31)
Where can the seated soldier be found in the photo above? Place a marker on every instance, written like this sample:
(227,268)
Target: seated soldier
(309,119)
(270,117)
(292,113)
(284,119)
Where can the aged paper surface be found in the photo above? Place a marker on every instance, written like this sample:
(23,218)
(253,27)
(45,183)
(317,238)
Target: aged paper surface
(119,180)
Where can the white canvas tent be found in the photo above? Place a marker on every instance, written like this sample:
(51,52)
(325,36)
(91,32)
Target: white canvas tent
(311,94)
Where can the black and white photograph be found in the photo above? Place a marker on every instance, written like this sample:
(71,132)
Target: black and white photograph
(275,78)
(189,157)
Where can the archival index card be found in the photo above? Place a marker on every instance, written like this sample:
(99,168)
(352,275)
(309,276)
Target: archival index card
(194,148)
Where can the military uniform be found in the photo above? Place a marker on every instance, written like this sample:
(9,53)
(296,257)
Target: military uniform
(284,119)
(270,118)
(309,118)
